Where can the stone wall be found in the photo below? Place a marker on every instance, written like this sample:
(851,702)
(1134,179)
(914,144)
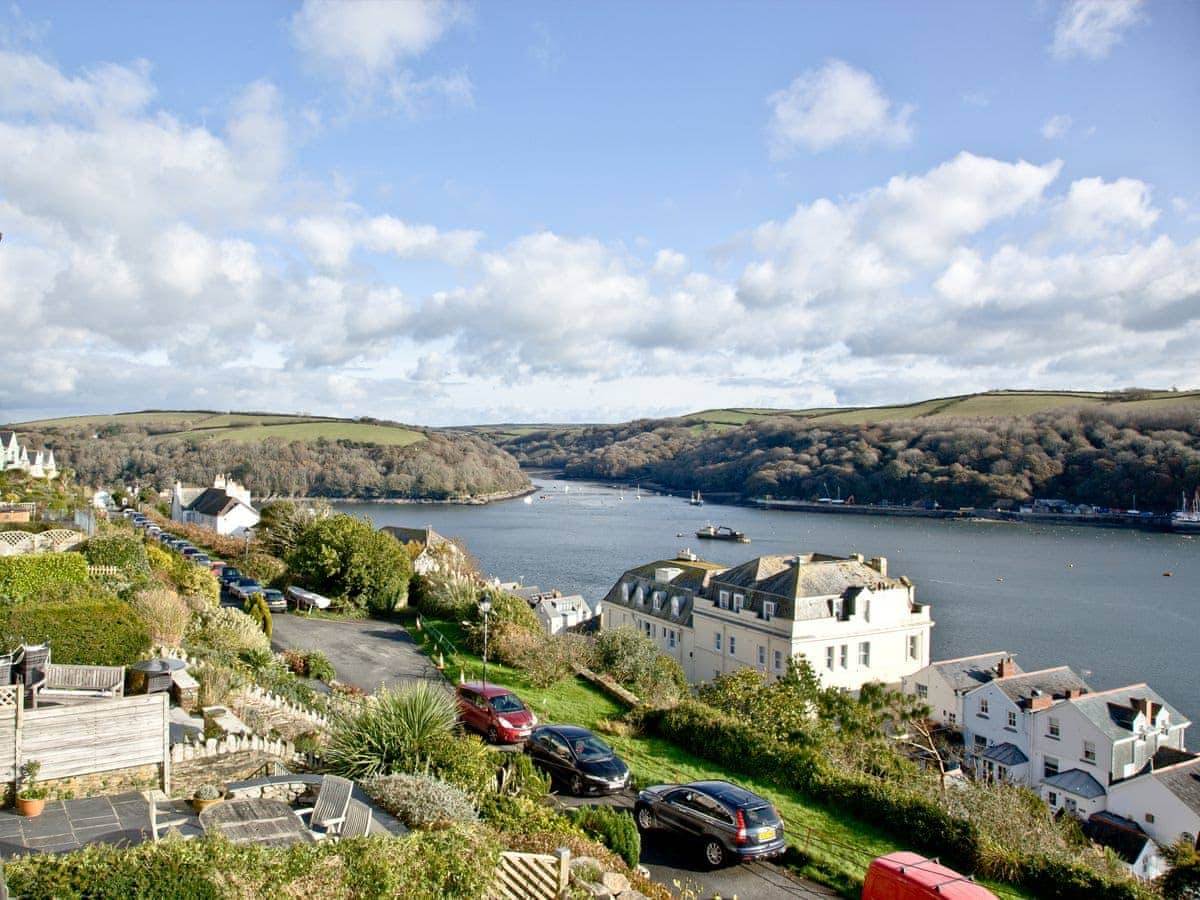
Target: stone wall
(98,784)
(218,770)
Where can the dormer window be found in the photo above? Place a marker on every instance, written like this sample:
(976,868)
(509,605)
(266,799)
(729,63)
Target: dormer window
(639,596)
(839,609)
(625,589)
(676,605)
(768,610)
(723,599)
(660,597)
(739,600)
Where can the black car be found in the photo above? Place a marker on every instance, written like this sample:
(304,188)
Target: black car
(228,576)
(727,822)
(577,759)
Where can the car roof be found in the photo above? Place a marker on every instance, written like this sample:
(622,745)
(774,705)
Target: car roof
(487,690)
(728,792)
(272,591)
(570,731)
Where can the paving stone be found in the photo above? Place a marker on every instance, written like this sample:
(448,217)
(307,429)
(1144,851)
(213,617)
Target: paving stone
(51,841)
(90,807)
(126,797)
(84,834)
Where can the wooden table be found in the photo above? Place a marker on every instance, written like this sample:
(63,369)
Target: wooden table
(255,820)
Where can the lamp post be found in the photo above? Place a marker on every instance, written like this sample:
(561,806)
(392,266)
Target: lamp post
(485,607)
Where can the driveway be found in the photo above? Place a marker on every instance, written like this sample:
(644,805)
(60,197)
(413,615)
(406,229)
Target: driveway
(677,865)
(366,653)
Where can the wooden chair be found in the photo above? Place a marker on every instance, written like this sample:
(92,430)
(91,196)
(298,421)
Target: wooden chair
(333,801)
(358,821)
(158,825)
(31,662)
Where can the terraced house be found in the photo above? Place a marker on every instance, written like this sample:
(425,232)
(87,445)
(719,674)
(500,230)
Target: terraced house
(851,620)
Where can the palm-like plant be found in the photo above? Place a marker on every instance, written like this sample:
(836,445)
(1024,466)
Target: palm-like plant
(398,732)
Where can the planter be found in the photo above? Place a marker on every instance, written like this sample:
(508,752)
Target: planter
(200,805)
(30,808)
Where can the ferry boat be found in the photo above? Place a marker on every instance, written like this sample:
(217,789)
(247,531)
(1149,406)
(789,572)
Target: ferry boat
(1187,518)
(722,533)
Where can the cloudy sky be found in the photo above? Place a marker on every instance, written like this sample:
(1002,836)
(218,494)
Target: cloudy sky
(450,213)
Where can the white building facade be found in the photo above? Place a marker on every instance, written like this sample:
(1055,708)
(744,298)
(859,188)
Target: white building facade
(225,507)
(15,457)
(943,684)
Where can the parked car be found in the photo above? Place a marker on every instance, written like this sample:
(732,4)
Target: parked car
(244,587)
(190,551)
(577,759)
(727,822)
(228,575)
(301,599)
(216,565)
(910,876)
(495,711)
(166,537)
(201,559)
(276,602)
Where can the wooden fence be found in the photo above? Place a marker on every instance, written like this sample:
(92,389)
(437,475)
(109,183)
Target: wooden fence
(531,876)
(85,738)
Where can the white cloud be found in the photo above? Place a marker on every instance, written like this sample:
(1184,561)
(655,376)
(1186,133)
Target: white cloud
(330,240)
(415,95)
(30,85)
(1095,208)
(669,262)
(1091,28)
(1056,127)
(833,105)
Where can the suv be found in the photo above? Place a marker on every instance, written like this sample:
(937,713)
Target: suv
(727,821)
(494,711)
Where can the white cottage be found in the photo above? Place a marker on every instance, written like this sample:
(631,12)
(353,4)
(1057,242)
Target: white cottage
(943,684)
(225,507)
(1165,799)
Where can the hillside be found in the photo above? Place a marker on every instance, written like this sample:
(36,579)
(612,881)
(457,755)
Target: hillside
(981,449)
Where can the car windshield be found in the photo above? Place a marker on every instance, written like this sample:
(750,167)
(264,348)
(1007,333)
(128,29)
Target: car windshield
(590,747)
(273,594)
(507,703)
(759,815)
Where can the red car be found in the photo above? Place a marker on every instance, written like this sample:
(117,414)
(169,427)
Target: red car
(495,711)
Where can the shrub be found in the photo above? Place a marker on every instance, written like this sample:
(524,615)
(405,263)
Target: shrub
(626,654)
(217,683)
(525,815)
(613,828)
(191,579)
(225,632)
(519,777)
(515,645)
(96,632)
(399,732)
(442,596)
(121,549)
(22,576)
(664,685)
(346,557)
(266,569)
(507,609)
(317,665)
(166,615)
(421,800)
(256,608)
(554,658)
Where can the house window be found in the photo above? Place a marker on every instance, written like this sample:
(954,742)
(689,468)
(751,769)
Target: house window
(1012,719)
(983,707)
(738,601)
(839,606)
(650,629)
(671,638)
(1150,818)
(659,598)
(864,655)
(1049,766)
(768,610)
(952,718)
(664,628)
(676,603)
(732,645)
(980,742)
(914,646)
(829,653)
(1053,730)
(778,661)
(1002,773)
(845,656)
(723,599)
(922,691)
(1052,798)
(1089,751)
(762,655)
(717,642)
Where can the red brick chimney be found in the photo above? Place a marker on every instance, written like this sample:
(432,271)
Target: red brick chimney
(1045,701)
(1006,667)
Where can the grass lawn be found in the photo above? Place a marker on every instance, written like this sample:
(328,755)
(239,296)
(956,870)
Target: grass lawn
(840,847)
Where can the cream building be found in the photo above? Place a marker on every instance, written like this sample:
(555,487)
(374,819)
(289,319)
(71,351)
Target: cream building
(851,620)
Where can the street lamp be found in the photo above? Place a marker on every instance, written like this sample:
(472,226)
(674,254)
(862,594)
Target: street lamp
(485,607)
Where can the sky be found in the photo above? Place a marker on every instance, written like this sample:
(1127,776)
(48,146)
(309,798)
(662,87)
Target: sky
(453,213)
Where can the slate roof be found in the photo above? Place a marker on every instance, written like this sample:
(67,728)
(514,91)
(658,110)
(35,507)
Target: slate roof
(1183,780)
(969,672)
(693,577)
(1052,682)
(1006,754)
(1077,782)
(798,583)
(1112,711)
(1124,836)
(213,502)
(426,537)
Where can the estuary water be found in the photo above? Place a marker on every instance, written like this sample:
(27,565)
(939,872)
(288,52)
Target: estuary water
(1096,599)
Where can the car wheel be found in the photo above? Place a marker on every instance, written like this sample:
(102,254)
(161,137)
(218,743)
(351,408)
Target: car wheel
(492,735)
(645,818)
(576,785)
(714,853)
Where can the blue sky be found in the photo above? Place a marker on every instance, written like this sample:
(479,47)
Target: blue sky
(448,213)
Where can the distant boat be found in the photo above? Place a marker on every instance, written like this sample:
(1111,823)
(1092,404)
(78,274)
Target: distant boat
(1187,518)
(638,495)
(722,533)
(696,500)
(528,500)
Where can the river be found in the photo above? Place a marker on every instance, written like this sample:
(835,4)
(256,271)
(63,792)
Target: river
(1095,599)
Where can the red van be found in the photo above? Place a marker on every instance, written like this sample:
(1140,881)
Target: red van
(910,876)
(496,711)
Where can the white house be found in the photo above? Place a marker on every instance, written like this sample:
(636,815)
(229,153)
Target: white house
(556,612)
(225,507)
(16,457)
(1165,799)
(997,721)
(943,684)
(1129,841)
(433,546)
(851,620)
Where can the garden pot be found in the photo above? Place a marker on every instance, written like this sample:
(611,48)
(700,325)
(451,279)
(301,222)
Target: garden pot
(31,807)
(201,805)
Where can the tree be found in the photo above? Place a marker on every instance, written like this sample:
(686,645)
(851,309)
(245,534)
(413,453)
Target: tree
(347,558)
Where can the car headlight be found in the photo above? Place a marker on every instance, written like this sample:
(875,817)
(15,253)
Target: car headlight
(504,723)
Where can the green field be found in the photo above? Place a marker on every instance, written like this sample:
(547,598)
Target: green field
(361,432)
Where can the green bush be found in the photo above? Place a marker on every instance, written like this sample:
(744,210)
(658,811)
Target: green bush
(525,815)
(95,632)
(616,830)
(444,596)
(225,632)
(317,665)
(507,609)
(268,570)
(420,801)
(165,614)
(346,557)
(256,608)
(22,576)
(124,550)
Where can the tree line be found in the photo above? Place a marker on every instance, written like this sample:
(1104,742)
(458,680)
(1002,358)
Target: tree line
(1101,456)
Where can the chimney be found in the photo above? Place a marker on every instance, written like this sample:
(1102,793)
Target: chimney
(1006,668)
(1044,701)
(879,564)
(1073,693)
(857,557)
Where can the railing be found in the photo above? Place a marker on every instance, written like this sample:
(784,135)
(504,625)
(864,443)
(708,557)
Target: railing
(439,643)
(531,876)
(98,571)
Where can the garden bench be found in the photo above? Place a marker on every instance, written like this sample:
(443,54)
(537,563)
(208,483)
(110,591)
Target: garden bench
(83,681)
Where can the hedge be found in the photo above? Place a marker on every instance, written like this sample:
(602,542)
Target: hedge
(23,576)
(94,632)
(920,824)
(123,550)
